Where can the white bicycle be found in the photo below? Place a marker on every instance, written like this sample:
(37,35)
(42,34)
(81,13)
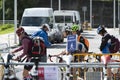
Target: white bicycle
(65,71)
(7,70)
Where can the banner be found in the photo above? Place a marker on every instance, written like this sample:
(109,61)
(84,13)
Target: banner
(48,73)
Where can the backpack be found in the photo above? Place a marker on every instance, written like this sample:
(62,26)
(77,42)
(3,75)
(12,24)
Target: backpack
(37,47)
(83,40)
(115,44)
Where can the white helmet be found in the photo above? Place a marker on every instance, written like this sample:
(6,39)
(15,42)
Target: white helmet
(46,26)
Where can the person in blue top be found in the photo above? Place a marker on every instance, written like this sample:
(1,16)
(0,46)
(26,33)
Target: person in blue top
(43,34)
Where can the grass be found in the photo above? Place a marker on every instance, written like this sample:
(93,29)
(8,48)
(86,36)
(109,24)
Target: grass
(7,28)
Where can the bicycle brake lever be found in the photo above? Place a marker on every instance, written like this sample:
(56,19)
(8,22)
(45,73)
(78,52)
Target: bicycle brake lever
(50,57)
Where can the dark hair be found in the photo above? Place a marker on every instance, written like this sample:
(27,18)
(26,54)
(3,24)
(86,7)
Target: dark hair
(26,34)
(44,26)
(78,32)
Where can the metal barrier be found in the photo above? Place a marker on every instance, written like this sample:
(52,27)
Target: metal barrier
(91,69)
(79,66)
(11,40)
(76,65)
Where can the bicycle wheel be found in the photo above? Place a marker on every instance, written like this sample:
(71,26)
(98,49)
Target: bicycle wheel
(1,69)
(1,72)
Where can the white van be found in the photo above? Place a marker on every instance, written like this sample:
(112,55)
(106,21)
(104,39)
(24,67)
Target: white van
(33,18)
(63,17)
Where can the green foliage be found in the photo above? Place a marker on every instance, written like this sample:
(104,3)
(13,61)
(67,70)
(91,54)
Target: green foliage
(7,28)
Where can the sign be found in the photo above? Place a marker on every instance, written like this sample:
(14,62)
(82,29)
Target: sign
(48,73)
(71,43)
(84,8)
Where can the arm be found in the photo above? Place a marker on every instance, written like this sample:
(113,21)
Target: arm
(25,44)
(35,34)
(18,49)
(104,41)
(45,37)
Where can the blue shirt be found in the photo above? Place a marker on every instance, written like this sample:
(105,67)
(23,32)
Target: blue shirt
(44,35)
(105,50)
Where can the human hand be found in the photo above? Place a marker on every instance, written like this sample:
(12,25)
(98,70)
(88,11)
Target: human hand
(17,59)
(12,52)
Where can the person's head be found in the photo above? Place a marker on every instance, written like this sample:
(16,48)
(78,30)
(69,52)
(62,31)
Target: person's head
(75,29)
(20,32)
(45,27)
(101,30)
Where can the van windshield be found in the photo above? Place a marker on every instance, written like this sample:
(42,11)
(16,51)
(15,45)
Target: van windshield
(34,21)
(63,19)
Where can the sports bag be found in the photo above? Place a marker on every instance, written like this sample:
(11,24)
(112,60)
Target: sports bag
(84,41)
(115,44)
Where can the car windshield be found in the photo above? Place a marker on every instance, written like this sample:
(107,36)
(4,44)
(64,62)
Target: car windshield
(59,19)
(63,19)
(68,19)
(34,21)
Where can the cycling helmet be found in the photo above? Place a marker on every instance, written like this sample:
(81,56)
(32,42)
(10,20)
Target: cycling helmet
(19,31)
(99,29)
(75,28)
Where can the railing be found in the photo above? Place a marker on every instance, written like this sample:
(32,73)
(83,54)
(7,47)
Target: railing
(7,21)
(79,66)
(72,64)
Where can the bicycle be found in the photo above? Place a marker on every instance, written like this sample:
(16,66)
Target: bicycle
(59,59)
(8,72)
(65,71)
(85,58)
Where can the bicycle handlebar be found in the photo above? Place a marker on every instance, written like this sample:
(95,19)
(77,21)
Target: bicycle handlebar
(50,57)
(9,57)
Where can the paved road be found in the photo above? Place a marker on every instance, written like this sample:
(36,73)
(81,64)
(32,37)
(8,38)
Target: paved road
(92,36)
